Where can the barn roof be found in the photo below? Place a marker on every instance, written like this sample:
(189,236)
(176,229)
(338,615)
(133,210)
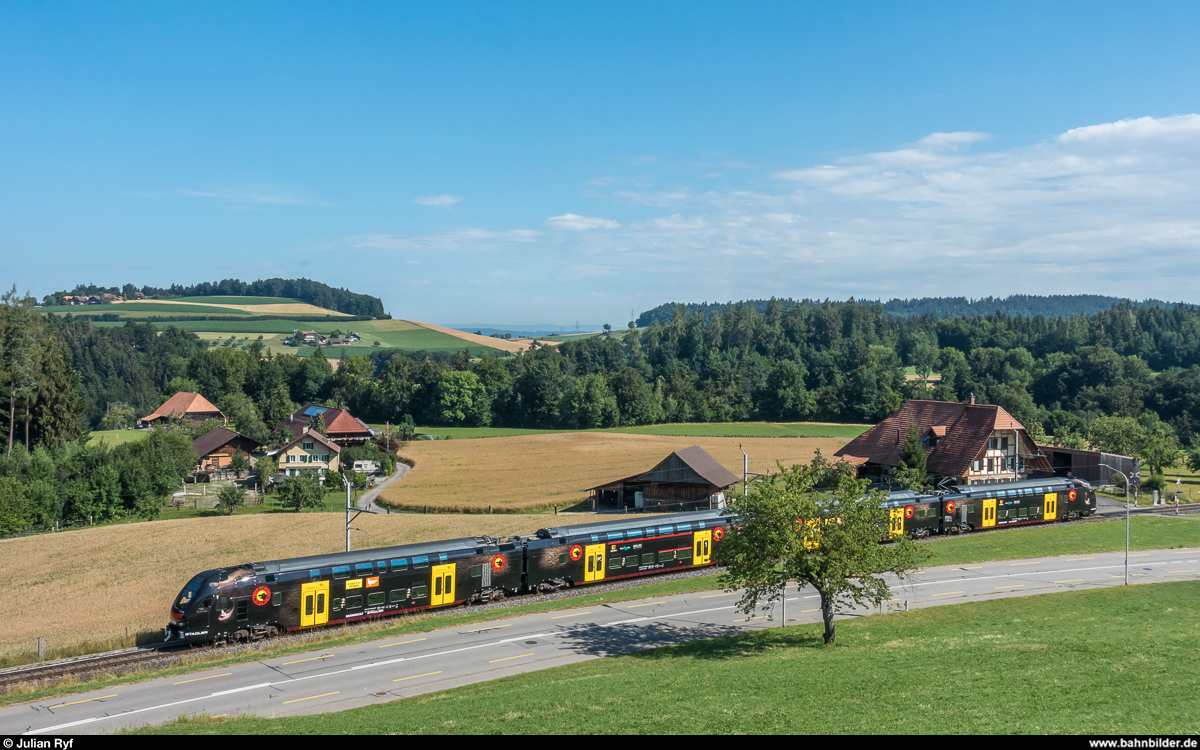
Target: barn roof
(183,403)
(216,438)
(682,466)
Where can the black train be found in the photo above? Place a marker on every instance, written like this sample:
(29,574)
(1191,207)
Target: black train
(267,598)
(982,506)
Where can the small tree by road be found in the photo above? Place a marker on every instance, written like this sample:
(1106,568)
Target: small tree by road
(301,491)
(784,531)
(230,498)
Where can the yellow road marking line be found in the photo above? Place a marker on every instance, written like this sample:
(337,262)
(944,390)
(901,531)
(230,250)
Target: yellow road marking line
(1142,554)
(401,643)
(218,716)
(1070,580)
(1077,559)
(322,695)
(748,619)
(1184,551)
(490,627)
(1011,586)
(727,593)
(402,679)
(809,610)
(325,656)
(973,567)
(647,604)
(577,614)
(89,700)
(204,678)
(948,593)
(1192,570)
(522,656)
(1035,562)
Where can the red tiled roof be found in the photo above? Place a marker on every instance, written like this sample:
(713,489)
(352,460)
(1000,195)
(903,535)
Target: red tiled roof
(966,429)
(184,403)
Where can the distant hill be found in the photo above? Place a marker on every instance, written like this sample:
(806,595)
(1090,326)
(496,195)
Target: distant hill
(297,290)
(1051,306)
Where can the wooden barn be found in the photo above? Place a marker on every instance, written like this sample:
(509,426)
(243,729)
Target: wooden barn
(688,479)
(217,446)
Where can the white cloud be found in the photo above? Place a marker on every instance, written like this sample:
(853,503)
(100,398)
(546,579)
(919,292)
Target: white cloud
(577,223)
(1108,208)
(437,201)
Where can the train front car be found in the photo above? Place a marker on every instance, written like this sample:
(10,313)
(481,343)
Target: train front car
(1029,501)
(208,607)
(912,513)
(630,547)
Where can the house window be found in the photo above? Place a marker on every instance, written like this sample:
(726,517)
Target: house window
(991,465)
(1003,443)
(975,465)
(308,445)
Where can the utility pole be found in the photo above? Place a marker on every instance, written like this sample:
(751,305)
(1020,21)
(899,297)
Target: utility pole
(1126,519)
(350,507)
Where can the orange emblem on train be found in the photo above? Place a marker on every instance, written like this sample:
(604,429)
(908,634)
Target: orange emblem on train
(498,563)
(576,553)
(261,595)
(718,533)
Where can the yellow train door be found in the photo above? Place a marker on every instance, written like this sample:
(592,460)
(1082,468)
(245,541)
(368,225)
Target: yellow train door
(595,563)
(314,604)
(989,512)
(1051,506)
(443,585)
(703,554)
(897,525)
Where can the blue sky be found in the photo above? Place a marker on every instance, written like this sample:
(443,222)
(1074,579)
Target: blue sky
(542,163)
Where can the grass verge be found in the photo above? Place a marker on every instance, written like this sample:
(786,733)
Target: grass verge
(1113,661)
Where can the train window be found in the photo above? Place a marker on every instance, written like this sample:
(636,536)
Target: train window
(562,559)
(615,563)
(615,535)
(336,604)
(382,566)
(314,575)
(647,558)
(666,556)
(308,608)
(204,605)
(276,598)
(420,563)
(398,595)
(1024,511)
(364,569)
(631,562)
(420,592)
(595,538)
(476,571)
(636,533)
(353,602)
(649,532)
(665,529)
(683,527)
(401,564)
(342,571)
(684,554)
(376,599)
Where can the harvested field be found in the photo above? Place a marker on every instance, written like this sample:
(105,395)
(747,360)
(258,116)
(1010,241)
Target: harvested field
(508,345)
(530,472)
(256,308)
(86,587)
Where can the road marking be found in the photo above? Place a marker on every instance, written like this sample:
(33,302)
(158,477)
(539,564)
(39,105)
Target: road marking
(810,610)
(1078,559)
(973,567)
(1184,551)
(322,695)
(490,627)
(748,619)
(1011,586)
(401,643)
(89,700)
(577,614)
(1070,580)
(1035,562)
(323,656)
(402,679)
(1143,554)
(647,604)
(204,678)
(948,593)
(713,596)
(218,716)
(1192,570)
(522,656)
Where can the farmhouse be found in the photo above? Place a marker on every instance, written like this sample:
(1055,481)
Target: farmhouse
(217,447)
(342,428)
(965,443)
(310,451)
(189,406)
(688,479)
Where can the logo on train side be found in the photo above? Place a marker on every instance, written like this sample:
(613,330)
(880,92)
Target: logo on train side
(718,533)
(576,553)
(354,583)
(261,595)
(498,563)
(372,582)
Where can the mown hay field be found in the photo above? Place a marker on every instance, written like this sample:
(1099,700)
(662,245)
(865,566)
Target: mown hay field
(82,589)
(534,472)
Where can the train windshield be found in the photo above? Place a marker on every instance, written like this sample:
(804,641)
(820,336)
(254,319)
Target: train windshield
(189,592)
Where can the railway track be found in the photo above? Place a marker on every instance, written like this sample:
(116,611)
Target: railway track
(132,659)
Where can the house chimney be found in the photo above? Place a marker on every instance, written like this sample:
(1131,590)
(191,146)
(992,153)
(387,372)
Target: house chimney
(972,399)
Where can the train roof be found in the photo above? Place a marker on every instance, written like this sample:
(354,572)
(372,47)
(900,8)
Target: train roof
(625,523)
(464,547)
(976,490)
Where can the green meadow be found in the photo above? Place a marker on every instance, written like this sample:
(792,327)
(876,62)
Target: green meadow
(1111,661)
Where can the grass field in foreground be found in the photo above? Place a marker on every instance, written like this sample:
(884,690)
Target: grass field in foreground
(1112,661)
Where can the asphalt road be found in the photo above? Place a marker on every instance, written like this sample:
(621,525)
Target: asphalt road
(364,674)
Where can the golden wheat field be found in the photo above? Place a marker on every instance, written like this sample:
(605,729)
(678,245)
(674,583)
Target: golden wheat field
(86,587)
(530,472)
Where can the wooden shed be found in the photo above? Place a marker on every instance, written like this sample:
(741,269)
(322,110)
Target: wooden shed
(688,479)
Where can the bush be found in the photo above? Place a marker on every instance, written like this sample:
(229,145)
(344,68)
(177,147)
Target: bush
(1153,482)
